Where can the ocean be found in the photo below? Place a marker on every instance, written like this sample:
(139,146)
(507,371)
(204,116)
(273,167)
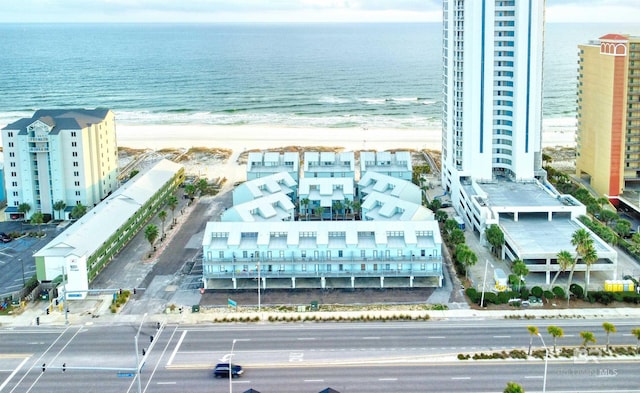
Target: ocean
(310,75)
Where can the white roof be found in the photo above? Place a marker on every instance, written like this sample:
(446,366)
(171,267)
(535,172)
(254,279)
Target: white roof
(385,160)
(90,232)
(276,206)
(385,207)
(378,182)
(263,186)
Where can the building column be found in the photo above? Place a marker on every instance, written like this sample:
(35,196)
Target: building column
(264,282)
(235,283)
(293,282)
(381,281)
(353,282)
(410,281)
(548,272)
(323,282)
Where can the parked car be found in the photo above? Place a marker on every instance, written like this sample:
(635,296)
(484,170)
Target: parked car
(5,238)
(222,370)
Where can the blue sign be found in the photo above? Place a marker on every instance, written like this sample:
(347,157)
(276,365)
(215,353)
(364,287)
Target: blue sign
(232,303)
(125,375)
(74,295)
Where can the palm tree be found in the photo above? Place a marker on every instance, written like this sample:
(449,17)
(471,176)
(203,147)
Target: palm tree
(78,211)
(337,206)
(634,245)
(151,234)
(587,337)
(513,387)
(162,216)
(356,208)
(608,328)
(520,269)
(555,332)
(172,202)
(305,202)
(466,257)
(565,259)
(533,331)
(441,215)
(348,205)
(636,333)
(37,218)
(590,257)
(320,212)
(190,190)
(24,208)
(582,241)
(202,186)
(59,206)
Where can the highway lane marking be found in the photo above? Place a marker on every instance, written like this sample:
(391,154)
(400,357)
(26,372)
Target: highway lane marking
(175,350)
(436,337)
(532,376)
(306,338)
(371,338)
(501,336)
(15,371)
(314,380)
(460,378)
(166,383)
(387,379)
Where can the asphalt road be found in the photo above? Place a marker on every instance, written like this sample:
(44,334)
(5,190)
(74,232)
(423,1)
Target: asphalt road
(349,357)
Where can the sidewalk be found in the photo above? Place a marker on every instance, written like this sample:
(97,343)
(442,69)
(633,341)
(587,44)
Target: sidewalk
(96,311)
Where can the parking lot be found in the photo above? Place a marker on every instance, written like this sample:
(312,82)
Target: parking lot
(17,264)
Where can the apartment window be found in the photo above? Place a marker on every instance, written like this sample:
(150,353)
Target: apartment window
(10,134)
(76,173)
(303,254)
(14,174)
(14,184)
(245,254)
(75,163)
(12,154)
(74,154)
(77,183)
(15,193)
(77,193)
(74,144)
(221,254)
(10,144)
(73,134)
(12,165)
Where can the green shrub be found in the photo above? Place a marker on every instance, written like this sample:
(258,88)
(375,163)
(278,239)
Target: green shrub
(473,295)
(524,293)
(490,297)
(559,292)
(503,298)
(577,290)
(536,291)
(548,295)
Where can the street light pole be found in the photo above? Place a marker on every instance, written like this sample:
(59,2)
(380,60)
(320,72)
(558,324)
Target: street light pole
(546,357)
(231,366)
(259,285)
(484,282)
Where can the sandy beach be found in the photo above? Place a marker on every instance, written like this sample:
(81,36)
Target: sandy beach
(239,139)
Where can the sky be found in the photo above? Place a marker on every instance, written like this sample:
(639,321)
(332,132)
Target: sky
(216,11)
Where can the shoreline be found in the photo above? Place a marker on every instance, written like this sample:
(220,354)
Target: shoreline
(240,138)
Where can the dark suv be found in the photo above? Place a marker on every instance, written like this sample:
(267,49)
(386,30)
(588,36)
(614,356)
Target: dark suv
(222,370)
(5,238)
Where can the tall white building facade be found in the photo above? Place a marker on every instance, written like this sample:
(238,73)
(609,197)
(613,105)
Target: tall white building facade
(492,105)
(68,155)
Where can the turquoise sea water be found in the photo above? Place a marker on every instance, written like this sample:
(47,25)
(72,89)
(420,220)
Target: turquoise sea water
(318,75)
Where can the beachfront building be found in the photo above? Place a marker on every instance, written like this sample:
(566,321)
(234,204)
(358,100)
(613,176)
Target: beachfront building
(89,244)
(335,254)
(329,164)
(318,196)
(278,183)
(67,155)
(608,138)
(261,164)
(395,164)
(376,182)
(491,140)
